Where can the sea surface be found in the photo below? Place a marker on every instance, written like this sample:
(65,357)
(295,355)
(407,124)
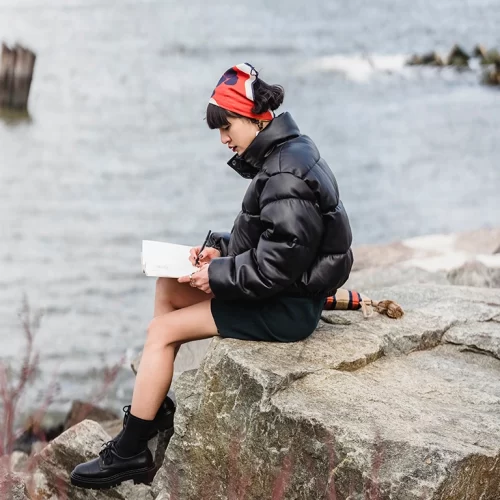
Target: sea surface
(116,149)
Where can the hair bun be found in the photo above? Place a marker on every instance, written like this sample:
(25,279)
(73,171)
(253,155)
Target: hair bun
(267,96)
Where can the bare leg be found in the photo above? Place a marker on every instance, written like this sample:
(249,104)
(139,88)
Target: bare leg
(182,314)
(171,295)
(165,333)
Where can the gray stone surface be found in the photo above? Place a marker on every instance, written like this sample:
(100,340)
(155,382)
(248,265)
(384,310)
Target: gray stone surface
(470,243)
(82,410)
(474,273)
(18,460)
(364,409)
(377,277)
(483,338)
(12,486)
(56,461)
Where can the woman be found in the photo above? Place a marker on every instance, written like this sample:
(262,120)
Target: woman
(266,281)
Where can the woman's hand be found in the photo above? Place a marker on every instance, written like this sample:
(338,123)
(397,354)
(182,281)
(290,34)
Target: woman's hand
(198,279)
(206,256)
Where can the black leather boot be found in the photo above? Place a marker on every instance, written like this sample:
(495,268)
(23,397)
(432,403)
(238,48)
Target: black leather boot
(109,469)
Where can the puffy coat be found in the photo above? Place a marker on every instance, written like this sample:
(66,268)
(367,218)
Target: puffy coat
(292,236)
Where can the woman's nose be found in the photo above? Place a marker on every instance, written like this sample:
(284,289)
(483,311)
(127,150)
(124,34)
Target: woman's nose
(224,138)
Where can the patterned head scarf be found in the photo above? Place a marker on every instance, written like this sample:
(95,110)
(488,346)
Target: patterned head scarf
(234,92)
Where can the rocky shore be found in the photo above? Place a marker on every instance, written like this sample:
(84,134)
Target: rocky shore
(366,408)
(459,58)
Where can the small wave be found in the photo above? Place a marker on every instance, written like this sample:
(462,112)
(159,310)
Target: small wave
(236,50)
(358,68)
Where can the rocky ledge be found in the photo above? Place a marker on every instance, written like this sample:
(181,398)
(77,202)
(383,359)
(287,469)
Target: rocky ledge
(365,409)
(405,409)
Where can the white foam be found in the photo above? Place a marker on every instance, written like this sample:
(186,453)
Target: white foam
(433,242)
(359,68)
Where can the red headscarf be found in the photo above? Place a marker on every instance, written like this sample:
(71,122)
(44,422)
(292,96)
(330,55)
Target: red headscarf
(234,92)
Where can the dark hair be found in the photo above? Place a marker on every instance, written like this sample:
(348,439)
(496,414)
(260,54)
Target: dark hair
(265,97)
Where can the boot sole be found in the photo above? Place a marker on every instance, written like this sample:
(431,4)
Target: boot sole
(139,476)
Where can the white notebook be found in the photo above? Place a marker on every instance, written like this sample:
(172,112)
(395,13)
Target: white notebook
(166,260)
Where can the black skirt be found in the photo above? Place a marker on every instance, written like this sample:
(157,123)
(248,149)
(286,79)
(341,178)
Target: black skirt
(277,319)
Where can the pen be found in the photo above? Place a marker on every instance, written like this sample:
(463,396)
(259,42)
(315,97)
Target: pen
(202,248)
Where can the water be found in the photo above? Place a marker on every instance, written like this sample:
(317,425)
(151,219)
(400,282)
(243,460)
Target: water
(116,150)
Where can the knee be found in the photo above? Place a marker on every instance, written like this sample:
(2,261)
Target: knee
(159,332)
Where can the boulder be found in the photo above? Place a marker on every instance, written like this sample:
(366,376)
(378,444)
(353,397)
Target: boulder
(18,461)
(81,410)
(55,462)
(429,59)
(374,256)
(491,56)
(436,252)
(481,52)
(393,275)
(492,76)
(475,273)
(379,408)
(12,487)
(415,60)
(458,57)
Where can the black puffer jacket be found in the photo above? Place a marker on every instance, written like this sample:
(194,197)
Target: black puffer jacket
(292,236)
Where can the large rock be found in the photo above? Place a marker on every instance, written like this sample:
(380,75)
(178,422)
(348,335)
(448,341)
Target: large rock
(56,461)
(18,461)
(486,57)
(12,486)
(458,57)
(492,76)
(429,59)
(467,259)
(432,252)
(475,273)
(393,275)
(81,410)
(363,409)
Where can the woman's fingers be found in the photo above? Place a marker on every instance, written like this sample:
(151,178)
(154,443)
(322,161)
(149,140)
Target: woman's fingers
(193,253)
(209,254)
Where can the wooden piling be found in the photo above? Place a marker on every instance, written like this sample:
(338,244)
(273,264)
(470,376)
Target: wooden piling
(16,75)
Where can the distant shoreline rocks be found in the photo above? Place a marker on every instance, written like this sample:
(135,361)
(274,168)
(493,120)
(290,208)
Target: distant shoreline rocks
(460,59)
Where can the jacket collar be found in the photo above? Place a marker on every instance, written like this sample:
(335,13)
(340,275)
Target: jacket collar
(280,129)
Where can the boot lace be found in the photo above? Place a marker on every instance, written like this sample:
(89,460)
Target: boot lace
(105,453)
(126,410)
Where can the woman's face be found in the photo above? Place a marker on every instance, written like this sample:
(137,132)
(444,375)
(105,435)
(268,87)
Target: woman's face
(238,134)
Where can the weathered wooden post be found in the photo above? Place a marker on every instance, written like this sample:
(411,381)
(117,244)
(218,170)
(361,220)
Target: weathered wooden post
(16,74)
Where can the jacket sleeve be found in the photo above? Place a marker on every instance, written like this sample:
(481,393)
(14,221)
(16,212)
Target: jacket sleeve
(293,228)
(219,241)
